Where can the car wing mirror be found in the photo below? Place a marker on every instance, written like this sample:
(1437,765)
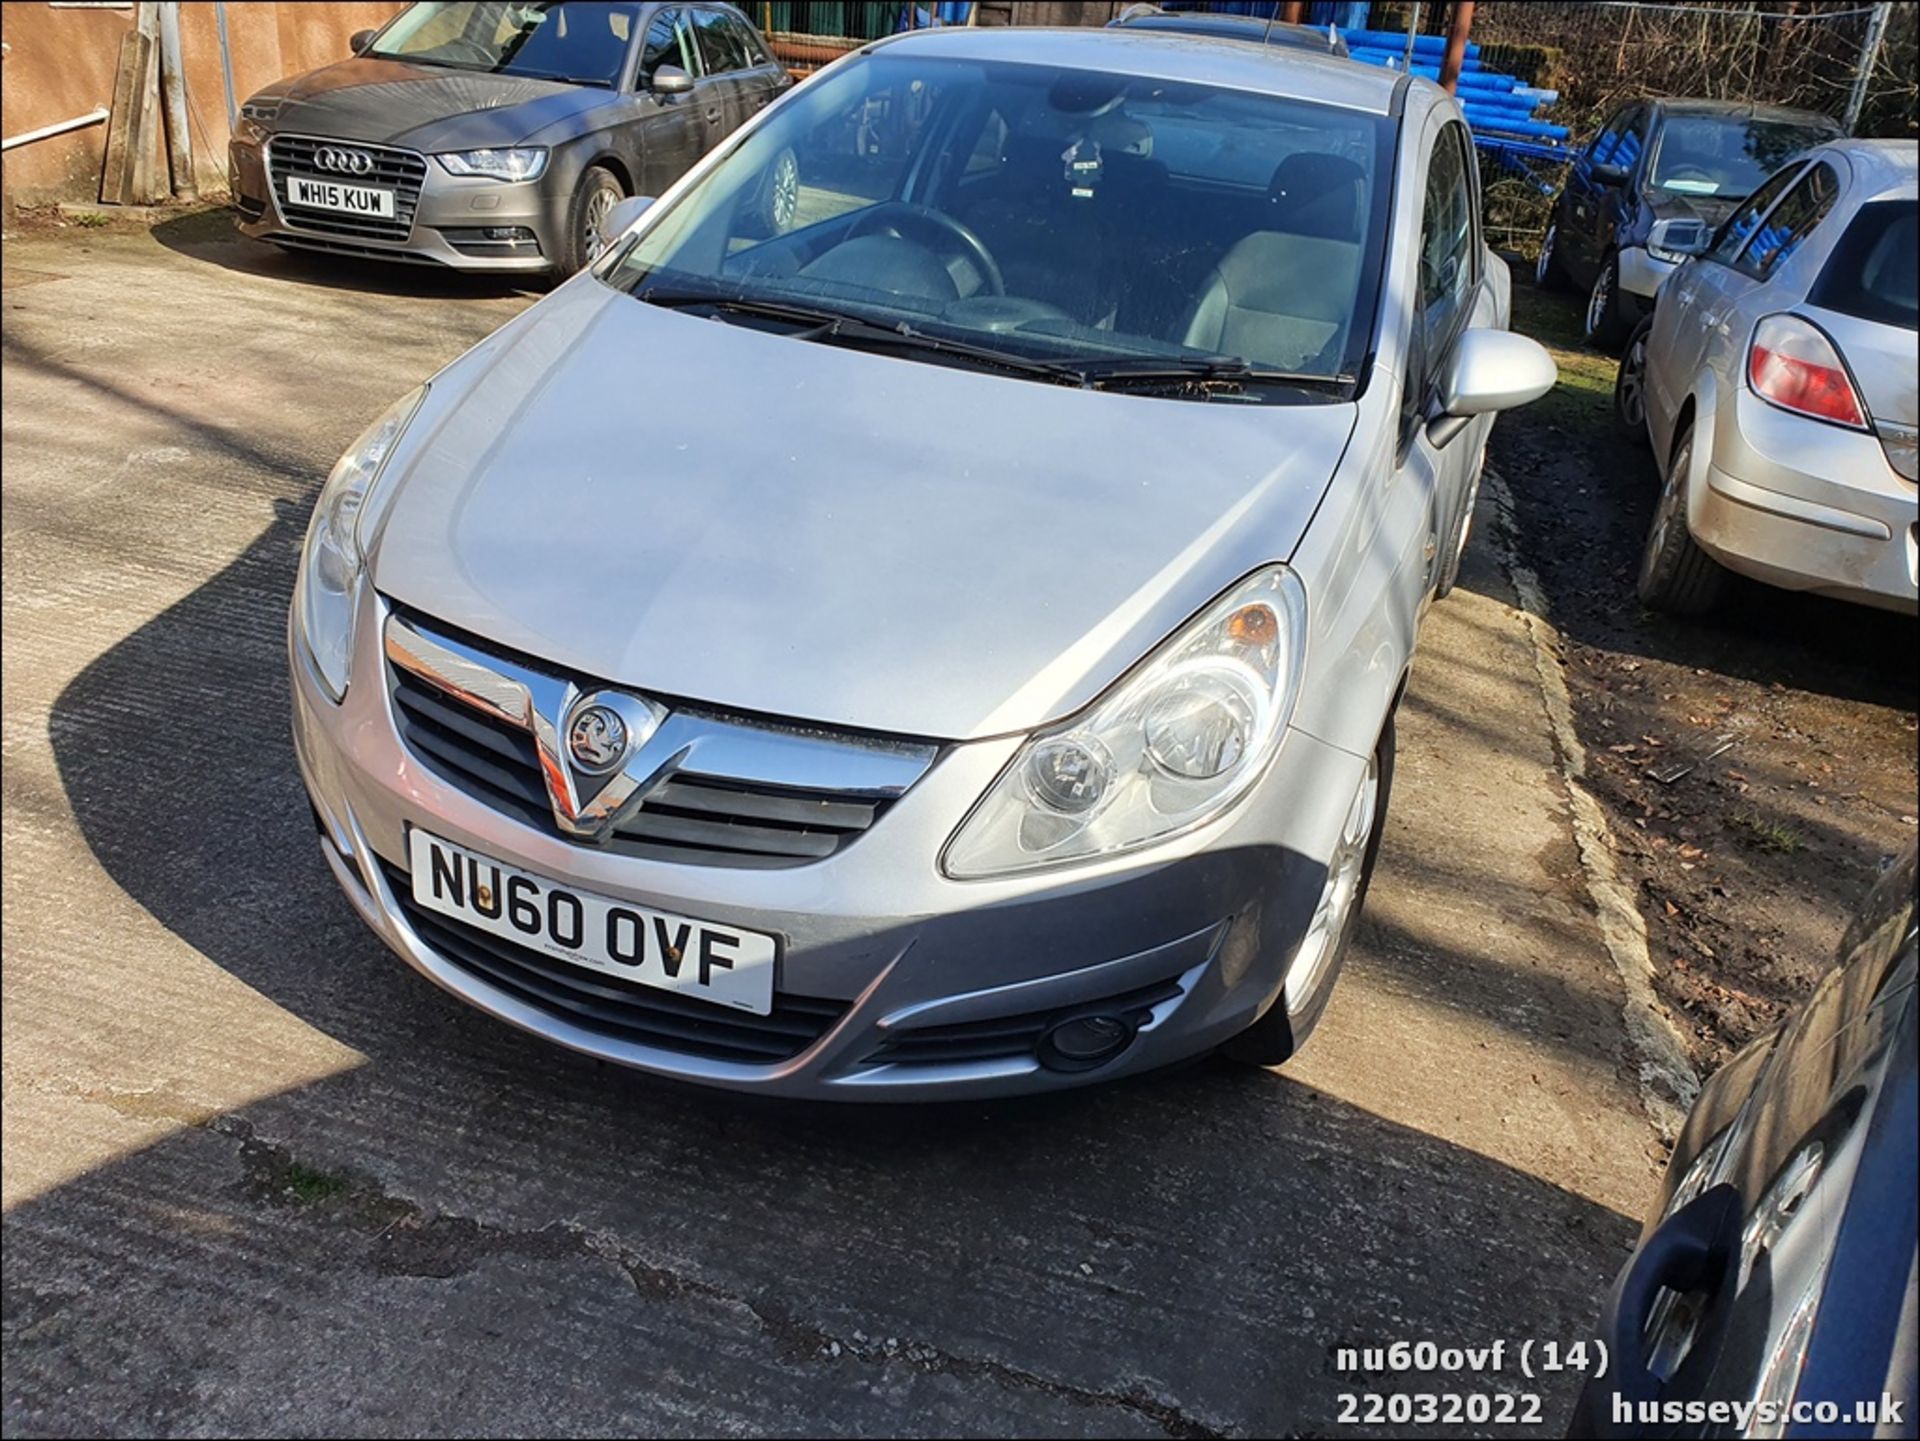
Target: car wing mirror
(1604,174)
(360,40)
(1680,237)
(1490,370)
(619,219)
(670,80)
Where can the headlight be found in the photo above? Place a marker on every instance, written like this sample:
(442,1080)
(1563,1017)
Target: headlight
(525,164)
(327,590)
(1171,746)
(262,111)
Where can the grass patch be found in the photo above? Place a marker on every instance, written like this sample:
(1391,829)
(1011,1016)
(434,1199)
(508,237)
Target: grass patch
(1774,836)
(310,1187)
(1582,401)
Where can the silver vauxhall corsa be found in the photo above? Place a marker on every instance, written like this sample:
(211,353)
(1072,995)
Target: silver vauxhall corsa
(949,648)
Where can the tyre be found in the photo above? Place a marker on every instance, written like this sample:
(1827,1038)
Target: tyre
(777,206)
(1630,389)
(1607,321)
(1548,273)
(598,192)
(1279,1033)
(1677,576)
(1449,574)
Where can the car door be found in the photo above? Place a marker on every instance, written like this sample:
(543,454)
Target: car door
(671,130)
(1450,295)
(1692,309)
(726,64)
(1582,238)
(762,78)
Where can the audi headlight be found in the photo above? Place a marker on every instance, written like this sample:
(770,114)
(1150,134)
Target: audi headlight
(333,563)
(1172,746)
(524,164)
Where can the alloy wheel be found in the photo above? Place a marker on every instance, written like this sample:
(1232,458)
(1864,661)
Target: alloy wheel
(1669,512)
(1345,872)
(786,190)
(1630,390)
(1600,303)
(1544,264)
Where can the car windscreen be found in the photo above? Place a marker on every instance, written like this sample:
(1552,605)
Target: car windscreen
(1726,156)
(582,43)
(1051,214)
(1870,274)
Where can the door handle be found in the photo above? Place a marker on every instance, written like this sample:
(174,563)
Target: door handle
(713,115)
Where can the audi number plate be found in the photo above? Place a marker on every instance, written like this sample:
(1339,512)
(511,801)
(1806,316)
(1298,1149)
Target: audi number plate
(334,195)
(653,948)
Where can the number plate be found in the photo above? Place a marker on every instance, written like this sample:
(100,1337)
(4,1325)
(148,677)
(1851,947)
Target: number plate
(333,195)
(654,948)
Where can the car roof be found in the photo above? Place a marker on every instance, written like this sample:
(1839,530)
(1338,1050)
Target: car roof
(1736,109)
(1879,166)
(1231,27)
(1289,73)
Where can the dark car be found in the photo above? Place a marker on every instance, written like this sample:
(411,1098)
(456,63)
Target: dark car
(492,136)
(1773,1294)
(1686,161)
(1251,28)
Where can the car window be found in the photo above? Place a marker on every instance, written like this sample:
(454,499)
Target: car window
(1063,214)
(1726,155)
(669,42)
(585,44)
(720,42)
(750,43)
(1615,140)
(1740,225)
(1447,259)
(1870,274)
(1790,222)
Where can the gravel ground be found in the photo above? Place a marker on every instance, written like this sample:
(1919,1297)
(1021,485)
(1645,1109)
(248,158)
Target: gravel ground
(1750,864)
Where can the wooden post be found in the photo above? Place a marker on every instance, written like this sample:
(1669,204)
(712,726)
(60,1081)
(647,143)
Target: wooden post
(1456,45)
(116,175)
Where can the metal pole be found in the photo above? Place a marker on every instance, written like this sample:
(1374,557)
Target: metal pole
(1869,57)
(79,122)
(226,62)
(1413,26)
(173,91)
(1456,45)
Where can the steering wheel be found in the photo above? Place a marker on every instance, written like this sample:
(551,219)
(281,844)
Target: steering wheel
(902,220)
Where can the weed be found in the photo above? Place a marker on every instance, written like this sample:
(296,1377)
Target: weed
(1768,835)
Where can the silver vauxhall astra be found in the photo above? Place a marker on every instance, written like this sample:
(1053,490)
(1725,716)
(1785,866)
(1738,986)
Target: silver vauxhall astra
(950,647)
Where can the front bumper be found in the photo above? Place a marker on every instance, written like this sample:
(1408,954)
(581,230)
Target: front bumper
(1641,274)
(450,226)
(876,928)
(1804,505)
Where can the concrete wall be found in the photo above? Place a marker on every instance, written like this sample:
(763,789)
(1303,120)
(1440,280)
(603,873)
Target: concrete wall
(60,63)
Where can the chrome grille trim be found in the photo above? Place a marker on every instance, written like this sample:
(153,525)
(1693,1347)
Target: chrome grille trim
(703,787)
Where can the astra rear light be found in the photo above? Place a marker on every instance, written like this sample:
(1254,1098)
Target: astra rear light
(1793,365)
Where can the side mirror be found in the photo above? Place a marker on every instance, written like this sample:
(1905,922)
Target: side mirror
(360,40)
(1490,370)
(619,219)
(671,80)
(1681,237)
(1604,174)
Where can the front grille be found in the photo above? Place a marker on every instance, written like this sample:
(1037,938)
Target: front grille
(709,820)
(616,1008)
(1007,1036)
(400,171)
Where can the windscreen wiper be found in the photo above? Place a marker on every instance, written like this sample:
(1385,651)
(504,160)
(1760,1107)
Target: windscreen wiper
(1152,370)
(840,327)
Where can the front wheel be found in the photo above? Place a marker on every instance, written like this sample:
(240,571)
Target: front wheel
(1548,273)
(1676,575)
(597,193)
(1316,964)
(1607,322)
(1630,389)
(780,194)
